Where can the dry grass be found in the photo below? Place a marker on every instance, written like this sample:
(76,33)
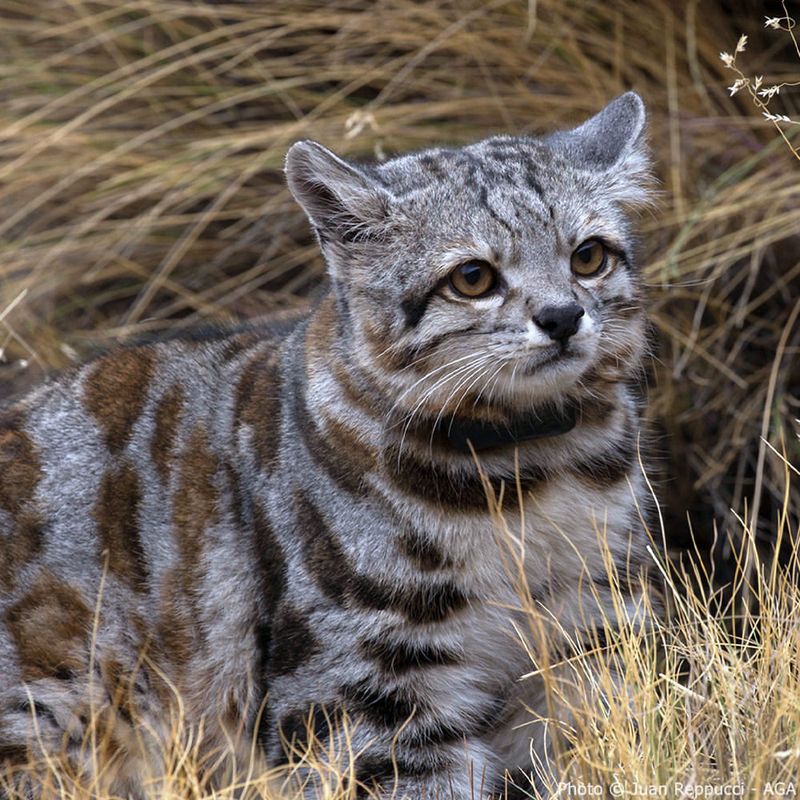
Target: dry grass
(141,144)
(711,700)
(712,695)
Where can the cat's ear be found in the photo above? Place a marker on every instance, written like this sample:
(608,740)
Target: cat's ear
(613,142)
(342,202)
(607,137)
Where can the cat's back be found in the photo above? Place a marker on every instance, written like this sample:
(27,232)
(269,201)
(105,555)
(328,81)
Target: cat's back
(109,475)
(130,404)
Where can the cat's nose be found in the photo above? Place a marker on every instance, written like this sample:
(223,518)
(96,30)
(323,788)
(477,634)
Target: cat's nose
(560,322)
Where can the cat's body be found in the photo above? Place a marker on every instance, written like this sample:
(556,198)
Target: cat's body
(282,524)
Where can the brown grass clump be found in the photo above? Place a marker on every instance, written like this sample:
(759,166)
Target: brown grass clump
(708,705)
(141,191)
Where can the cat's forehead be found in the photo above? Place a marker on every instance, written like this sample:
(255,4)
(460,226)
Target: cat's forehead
(512,161)
(500,190)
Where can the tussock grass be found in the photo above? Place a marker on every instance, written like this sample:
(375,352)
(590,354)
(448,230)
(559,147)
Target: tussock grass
(141,146)
(710,702)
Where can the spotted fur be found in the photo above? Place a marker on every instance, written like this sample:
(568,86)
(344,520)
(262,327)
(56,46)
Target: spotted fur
(274,524)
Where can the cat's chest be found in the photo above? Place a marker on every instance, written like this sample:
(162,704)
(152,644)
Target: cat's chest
(533,562)
(562,531)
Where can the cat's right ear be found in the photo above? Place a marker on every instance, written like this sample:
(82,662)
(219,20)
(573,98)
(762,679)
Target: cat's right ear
(342,202)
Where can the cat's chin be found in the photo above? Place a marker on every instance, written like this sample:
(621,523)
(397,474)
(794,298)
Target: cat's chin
(543,376)
(550,358)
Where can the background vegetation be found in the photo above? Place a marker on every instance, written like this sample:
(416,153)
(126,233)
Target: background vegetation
(141,146)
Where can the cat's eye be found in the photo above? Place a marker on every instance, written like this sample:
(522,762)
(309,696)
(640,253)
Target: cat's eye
(473,278)
(589,259)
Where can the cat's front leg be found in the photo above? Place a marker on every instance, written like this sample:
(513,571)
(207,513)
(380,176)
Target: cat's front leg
(465,770)
(328,757)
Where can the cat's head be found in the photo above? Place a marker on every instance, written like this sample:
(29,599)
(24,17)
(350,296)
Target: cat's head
(500,270)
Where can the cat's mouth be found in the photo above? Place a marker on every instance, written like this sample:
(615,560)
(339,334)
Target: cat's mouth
(547,357)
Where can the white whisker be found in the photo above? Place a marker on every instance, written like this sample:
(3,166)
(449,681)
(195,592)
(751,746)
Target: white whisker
(478,368)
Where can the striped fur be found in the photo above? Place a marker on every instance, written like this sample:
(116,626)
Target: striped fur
(272,523)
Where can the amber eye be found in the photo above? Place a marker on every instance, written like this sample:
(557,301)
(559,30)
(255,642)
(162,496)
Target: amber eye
(473,278)
(589,258)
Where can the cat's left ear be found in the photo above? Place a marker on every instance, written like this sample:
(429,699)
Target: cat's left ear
(613,142)
(342,202)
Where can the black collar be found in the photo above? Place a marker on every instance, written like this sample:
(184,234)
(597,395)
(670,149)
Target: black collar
(460,433)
